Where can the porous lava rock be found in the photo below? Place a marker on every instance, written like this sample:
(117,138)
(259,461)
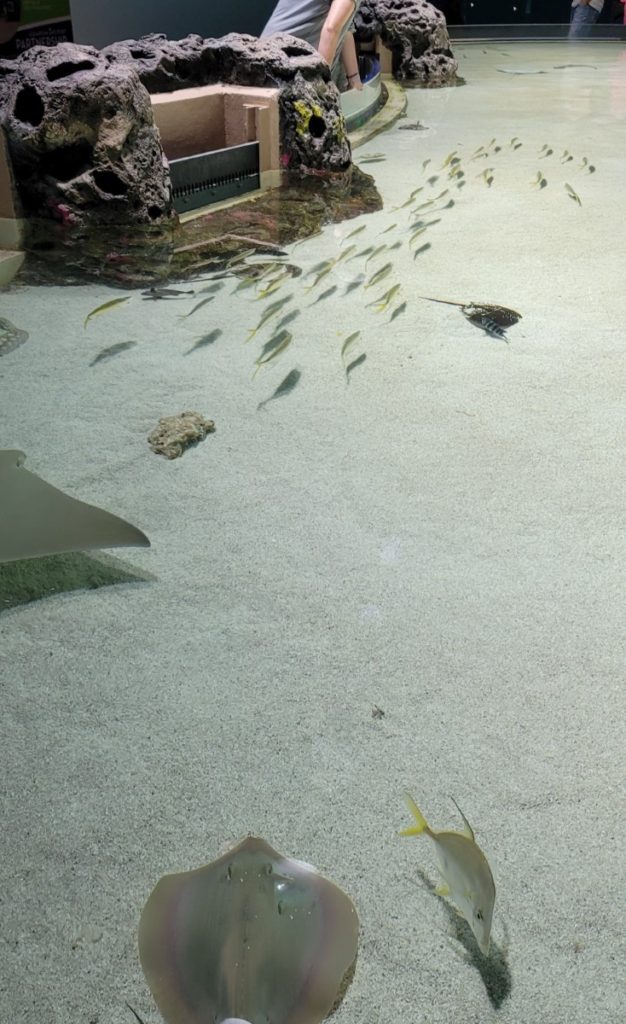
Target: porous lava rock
(174,434)
(312,127)
(82,139)
(415,32)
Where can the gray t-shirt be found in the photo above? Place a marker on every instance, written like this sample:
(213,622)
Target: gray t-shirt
(304,19)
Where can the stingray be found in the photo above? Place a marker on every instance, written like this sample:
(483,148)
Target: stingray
(494,320)
(251,937)
(37,519)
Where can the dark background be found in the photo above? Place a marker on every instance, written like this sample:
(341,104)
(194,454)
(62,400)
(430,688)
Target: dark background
(102,23)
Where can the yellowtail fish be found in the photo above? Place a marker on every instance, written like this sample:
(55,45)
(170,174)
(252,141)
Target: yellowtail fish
(379,275)
(402,206)
(572,194)
(322,274)
(449,158)
(363,252)
(357,231)
(103,308)
(465,871)
(407,202)
(540,180)
(348,344)
(272,310)
(273,285)
(344,254)
(273,348)
(390,228)
(320,266)
(376,252)
(239,257)
(423,227)
(383,301)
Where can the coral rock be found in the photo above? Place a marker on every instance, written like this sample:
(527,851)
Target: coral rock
(310,142)
(415,32)
(174,434)
(82,139)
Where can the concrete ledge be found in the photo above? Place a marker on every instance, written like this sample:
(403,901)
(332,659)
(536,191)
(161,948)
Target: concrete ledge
(11,232)
(10,263)
(392,110)
(359,107)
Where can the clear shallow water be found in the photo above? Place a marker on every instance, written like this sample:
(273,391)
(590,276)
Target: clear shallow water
(441,535)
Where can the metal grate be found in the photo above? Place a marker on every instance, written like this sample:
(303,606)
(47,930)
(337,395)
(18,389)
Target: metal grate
(209,177)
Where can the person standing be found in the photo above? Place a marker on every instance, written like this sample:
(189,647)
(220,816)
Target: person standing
(325,25)
(583,16)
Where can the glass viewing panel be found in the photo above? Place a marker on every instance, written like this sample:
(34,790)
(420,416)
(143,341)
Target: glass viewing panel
(522,12)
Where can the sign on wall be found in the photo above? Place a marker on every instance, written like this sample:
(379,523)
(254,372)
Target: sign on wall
(26,23)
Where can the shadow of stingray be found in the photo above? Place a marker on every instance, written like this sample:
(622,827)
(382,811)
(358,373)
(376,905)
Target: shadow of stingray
(493,969)
(31,579)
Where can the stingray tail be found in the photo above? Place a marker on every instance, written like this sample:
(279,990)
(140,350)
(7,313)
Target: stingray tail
(421,825)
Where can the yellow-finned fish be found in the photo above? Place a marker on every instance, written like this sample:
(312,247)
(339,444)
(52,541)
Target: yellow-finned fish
(465,870)
(103,308)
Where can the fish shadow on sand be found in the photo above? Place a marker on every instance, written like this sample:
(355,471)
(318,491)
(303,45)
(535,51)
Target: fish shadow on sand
(31,579)
(493,969)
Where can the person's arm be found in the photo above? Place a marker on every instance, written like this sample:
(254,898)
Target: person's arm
(350,62)
(340,12)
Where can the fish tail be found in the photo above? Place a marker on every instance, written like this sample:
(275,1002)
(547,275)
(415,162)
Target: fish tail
(421,825)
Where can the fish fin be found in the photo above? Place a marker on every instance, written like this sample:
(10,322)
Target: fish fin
(421,823)
(443,889)
(467,830)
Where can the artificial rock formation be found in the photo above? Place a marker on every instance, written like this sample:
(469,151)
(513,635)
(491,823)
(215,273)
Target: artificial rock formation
(82,139)
(81,133)
(312,128)
(417,35)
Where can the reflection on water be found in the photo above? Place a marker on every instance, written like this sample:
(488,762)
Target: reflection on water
(278,217)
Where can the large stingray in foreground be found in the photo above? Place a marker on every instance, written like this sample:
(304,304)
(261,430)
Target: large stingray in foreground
(37,519)
(252,937)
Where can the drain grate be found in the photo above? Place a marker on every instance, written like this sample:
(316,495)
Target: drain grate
(210,177)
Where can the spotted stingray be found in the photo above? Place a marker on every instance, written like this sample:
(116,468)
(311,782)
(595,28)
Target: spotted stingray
(494,320)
